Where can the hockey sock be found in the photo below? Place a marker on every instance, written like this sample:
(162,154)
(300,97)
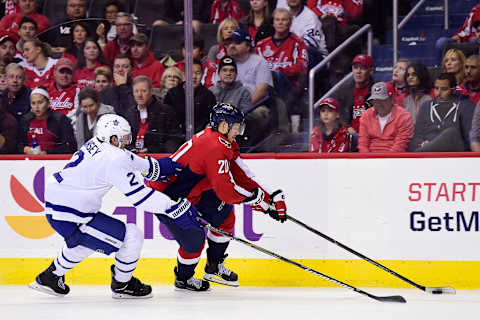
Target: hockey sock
(69,258)
(185,271)
(126,259)
(216,250)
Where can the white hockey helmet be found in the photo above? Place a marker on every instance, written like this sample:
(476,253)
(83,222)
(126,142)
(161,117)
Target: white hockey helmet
(113,125)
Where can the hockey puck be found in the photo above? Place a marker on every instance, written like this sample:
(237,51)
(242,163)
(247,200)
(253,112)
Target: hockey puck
(437,292)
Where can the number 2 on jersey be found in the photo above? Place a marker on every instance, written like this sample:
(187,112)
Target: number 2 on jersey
(223,166)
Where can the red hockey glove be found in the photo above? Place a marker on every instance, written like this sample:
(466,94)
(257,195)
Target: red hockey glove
(259,200)
(278,209)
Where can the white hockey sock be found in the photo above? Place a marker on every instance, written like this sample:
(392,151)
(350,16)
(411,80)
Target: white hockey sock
(126,259)
(69,258)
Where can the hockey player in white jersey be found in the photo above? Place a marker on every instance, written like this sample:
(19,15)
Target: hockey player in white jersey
(73,197)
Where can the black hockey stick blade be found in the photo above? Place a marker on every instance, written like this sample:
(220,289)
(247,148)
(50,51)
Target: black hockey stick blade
(433,290)
(440,290)
(317,273)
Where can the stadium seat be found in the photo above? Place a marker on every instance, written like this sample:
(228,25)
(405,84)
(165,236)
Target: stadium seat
(96,8)
(208,32)
(467,48)
(54,10)
(147,11)
(167,40)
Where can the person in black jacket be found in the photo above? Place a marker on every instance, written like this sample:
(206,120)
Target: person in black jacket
(8,132)
(52,131)
(203,100)
(16,98)
(157,128)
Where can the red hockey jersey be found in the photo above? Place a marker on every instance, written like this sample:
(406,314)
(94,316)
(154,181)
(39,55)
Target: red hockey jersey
(35,77)
(339,142)
(210,162)
(290,57)
(64,101)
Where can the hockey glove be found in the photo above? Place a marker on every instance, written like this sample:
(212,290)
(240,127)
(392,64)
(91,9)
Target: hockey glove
(161,169)
(278,209)
(258,200)
(184,214)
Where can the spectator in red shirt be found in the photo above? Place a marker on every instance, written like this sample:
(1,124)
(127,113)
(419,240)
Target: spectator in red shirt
(144,62)
(63,91)
(286,55)
(90,58)
(397,87)
(222,9)
(28,8)
(38,64)
(27,31)
(52,130)
(471,86)
(121,43)
(353,94)
(330,135)
(258,21)
(386,127)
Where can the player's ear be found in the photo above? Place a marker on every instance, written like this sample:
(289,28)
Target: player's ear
(114,141)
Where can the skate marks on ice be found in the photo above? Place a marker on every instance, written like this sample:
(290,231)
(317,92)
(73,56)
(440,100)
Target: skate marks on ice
(246,303)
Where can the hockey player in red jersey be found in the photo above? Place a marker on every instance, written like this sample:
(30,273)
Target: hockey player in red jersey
(213,179)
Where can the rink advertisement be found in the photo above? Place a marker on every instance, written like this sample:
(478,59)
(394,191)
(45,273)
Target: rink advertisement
(419,216)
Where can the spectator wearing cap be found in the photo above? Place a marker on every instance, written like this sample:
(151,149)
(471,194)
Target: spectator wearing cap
(209,68)
(121,43)
(353,94)
(222,9)
(330,135)
(38,64)
(16,98)
(230,90)
(63,91)
(7,49)
(471,86)
(203,99)
(386,127)
(144,62)
(52,130)
(444,123)
(307,26)
(28,8)
(27,30)
(286,55)
(397,87)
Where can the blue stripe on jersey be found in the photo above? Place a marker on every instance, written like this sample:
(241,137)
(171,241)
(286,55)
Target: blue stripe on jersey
(144,198)
(135,191)
(59,208)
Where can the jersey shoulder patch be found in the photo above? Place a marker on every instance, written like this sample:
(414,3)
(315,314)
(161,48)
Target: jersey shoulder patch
(225,142)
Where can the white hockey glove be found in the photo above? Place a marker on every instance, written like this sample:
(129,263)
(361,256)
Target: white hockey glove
(258,200)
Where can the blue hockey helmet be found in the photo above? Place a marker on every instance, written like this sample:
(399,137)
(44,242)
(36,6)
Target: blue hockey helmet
(227,112)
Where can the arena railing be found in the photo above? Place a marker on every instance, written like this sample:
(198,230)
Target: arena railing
(311,75)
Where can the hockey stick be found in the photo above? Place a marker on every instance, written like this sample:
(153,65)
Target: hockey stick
(399,299)
(433,290)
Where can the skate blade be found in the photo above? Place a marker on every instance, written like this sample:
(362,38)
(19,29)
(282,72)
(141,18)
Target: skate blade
(216,279)
(190,290)
(127,296)
(38,287)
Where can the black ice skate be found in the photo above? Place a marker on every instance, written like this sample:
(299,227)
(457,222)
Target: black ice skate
(48,282)
(216,272)
(192,284)
(133,289)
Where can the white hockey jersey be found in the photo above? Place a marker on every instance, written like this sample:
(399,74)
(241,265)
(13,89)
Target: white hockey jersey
(75,193)
(307,26)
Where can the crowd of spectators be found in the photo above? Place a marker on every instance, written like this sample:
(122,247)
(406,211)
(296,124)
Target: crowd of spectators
(58,77)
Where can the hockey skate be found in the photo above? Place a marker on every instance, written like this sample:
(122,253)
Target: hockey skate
(192,284)
(48,282)
(216,272)
(133,289)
